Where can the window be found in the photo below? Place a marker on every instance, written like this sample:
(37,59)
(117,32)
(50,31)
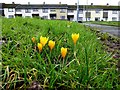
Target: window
(62,17)
(88,14)
(105,14)
(52,10)
(18,10)
(114,12)
(80,11)
(1,8)
(10,10)
(62,10)
(114,18)
(70,11)
(105,18)
(35,10)
(1,12)
(80,18)
(88,19)
(97,11)
(45,17)
(45,10)
(11,16)
(27,10)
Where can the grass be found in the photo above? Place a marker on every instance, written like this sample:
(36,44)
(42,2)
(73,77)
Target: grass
(86,64)
(109,23)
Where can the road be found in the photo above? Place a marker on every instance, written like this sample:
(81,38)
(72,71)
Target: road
(103,28)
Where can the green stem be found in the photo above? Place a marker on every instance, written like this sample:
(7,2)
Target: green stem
(75,51)
(63,61)
(86,65)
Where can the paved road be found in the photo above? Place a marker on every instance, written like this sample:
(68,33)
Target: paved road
(109,29)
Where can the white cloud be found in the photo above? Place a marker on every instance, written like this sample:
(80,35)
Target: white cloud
(81,2)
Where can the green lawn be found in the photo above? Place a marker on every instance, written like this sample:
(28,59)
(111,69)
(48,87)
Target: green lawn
(86,64)
(109,23)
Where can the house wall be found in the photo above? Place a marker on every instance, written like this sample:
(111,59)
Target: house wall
(111,15)
(7,13)
(44,14)
(94,15)
(59,14)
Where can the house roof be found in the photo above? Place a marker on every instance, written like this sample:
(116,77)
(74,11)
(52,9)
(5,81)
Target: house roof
(9,5)
(22,6)
(104,7)
(29,6)
(55,6)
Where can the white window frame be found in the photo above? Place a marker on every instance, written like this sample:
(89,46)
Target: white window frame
(27,10)
(18,10)
(70,11)
(114,18)
(52,10)
(45,10)
(35,10)
(10,9)
(62,10)
(114,12)
(80,18)
(10,16)
(97,11)
(80,11)
(45,17)
(62,17)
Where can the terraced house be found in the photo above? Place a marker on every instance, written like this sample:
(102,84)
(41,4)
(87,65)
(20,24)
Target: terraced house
(61,11)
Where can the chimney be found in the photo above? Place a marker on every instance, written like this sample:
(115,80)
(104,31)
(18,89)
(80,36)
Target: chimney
(107,4)
(59,2)
(43,2)
(91,3)
(76,4)
(13,2)
(28,3)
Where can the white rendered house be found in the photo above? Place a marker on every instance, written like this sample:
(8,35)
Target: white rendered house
(62,11)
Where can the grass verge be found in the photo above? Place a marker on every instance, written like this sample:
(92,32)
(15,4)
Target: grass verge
(86,64)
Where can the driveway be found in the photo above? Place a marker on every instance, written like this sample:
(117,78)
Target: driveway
(103,28)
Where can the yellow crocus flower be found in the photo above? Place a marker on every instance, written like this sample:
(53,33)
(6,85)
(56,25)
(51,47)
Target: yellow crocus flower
(51,44)
(43,40)
(63,52)
(33,39)
(75,37)
(40,47)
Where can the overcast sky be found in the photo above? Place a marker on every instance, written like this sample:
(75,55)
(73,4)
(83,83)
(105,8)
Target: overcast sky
(71,2)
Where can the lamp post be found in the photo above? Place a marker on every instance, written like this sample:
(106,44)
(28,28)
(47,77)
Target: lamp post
(77,10)
(86,11)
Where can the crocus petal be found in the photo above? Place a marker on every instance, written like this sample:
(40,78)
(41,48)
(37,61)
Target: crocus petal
(75,37)
(51,44)
(43,40)
(40,47)
(33,39)
(63,52)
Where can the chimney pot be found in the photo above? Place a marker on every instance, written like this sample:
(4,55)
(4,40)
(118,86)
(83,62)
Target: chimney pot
(13,2)
(107,3)
(91,3)
(59,2)
(43,2)
(28,3)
